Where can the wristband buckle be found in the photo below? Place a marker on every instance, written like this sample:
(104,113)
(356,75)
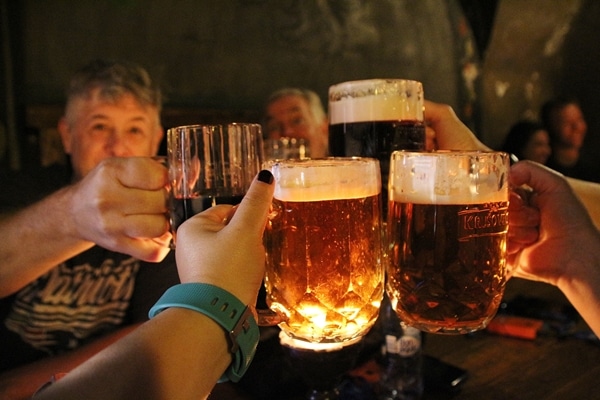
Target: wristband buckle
(243,324)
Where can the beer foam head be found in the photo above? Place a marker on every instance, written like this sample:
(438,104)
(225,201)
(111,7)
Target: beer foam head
(376,100)
(326,179)
(449,177)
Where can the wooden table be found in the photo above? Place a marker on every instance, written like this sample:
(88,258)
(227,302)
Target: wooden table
(506,368)
(499,367)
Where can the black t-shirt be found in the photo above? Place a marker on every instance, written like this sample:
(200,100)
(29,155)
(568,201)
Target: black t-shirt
(90,295)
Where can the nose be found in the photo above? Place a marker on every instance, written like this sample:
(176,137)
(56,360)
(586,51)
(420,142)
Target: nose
(116,145)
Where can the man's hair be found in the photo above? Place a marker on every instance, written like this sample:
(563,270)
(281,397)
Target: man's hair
(113,79)
(314,101)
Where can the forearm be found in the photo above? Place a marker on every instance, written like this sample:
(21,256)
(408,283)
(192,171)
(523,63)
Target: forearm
(581,280)
(584,294)
(36,239)
(22,382)
(179,354)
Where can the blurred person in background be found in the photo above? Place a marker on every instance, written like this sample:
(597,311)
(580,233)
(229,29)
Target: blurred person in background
(298,113)
(563,119)
(528,140)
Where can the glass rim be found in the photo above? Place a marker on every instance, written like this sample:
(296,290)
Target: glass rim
(452,152)
(320,162)
(369,87)
(361,82)
(201,126)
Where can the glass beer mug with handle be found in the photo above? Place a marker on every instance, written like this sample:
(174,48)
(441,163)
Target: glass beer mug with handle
(374,117)
(210,164)
(324,269)
(447,230)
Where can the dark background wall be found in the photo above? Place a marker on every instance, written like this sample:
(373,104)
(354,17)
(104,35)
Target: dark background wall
(233,53)
(493,61)
(539,49)
(229,55)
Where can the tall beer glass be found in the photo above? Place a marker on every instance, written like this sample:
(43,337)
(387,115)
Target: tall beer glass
(374,117)
(324,270)
(447,226)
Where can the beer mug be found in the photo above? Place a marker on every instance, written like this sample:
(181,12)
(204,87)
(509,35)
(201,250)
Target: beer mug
(210,164)
(324,271)
(447,235)
(374,117)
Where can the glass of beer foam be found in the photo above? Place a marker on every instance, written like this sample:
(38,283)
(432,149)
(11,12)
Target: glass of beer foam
(324,266)
(209,165)
(447,226)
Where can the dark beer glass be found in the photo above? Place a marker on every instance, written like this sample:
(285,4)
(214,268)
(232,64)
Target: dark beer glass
(210,164)
(447,229)
(374,117)
(324,269)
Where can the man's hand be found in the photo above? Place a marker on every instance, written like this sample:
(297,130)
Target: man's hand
(445,131)
(121,205)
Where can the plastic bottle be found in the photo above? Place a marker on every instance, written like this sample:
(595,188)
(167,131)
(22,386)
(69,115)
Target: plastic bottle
(402,377)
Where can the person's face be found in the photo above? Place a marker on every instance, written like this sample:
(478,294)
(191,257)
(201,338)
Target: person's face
(95,129)
(290,116)
(571,125)
(538,148)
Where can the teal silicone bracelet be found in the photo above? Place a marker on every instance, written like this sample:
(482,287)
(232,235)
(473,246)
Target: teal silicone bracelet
(226,310)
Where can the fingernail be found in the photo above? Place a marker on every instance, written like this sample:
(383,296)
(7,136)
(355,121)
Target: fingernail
(265,176)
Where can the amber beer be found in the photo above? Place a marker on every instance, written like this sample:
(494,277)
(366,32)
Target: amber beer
(447,227)
(324,271)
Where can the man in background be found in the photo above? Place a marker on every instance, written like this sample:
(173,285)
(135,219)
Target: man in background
(298,113)
(565,122)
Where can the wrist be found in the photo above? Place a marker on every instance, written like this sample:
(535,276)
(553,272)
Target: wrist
(237,319)
(68,207)
(235,285)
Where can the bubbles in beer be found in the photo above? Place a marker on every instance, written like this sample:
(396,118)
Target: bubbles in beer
(324,267)
(447,264)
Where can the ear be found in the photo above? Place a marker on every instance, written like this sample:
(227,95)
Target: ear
(65,134)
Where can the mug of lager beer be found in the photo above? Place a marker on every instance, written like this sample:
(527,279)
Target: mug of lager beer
(447,230)
(324,271)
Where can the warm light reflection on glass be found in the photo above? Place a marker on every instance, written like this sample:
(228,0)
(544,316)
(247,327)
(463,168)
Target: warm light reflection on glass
(286,340)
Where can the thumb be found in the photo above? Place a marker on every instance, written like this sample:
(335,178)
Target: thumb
(551,194)
(450,132)
(254,208)
(542,180)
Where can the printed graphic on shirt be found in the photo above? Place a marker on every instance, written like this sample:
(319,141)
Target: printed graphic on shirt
(70,303)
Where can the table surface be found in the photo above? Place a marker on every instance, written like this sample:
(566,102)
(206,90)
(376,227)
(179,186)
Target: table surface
(498,367)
